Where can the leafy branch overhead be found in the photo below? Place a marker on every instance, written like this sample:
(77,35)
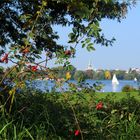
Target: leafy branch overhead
(26,23)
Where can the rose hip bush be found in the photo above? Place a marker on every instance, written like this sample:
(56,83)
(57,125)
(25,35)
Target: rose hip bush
(52,116)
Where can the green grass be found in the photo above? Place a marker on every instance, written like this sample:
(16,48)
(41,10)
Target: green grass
(54,116)
(116,96)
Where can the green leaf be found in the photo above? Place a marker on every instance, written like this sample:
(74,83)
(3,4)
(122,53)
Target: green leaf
(122,115)
(31,35)
(106,1)
(113,111)
(90,47)
(83,45)
(29,134)
(72,37)
(4,127)
(74,30)
(44,3)
(87,40)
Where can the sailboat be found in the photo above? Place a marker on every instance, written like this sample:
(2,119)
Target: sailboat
(135,79)
(115,80)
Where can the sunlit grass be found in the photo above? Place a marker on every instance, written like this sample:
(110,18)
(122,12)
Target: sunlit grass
(116,96)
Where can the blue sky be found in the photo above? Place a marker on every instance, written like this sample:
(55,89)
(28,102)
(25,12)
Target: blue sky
(122,55)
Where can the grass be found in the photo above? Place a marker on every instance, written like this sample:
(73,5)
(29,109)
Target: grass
(116,96)
(55,116)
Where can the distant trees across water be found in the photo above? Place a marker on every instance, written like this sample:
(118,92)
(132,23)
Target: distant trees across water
(80,75)
(96,75)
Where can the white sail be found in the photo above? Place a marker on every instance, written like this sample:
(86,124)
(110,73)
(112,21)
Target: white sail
(114,80)
(135,79)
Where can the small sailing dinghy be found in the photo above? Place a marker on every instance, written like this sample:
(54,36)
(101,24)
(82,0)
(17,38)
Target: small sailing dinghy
(115,80)
(135,79)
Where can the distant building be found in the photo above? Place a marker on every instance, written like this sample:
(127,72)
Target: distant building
(89,67)
(99,70)
(136,69)
(127,71)
(117,69)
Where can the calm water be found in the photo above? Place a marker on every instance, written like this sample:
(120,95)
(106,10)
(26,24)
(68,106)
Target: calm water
(108,87)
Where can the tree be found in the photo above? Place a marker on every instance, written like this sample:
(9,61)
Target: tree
(26,31)
(29,24)
(89,74)
(100,75)
(120,74)
(107,74)
(79,76)
(60,71)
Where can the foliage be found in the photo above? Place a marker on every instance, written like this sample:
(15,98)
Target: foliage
(128,88)
(107,74)
(19,18)
(61,71)
(99,74)
(90,74)
(79,76)
(27,27)
(71,116)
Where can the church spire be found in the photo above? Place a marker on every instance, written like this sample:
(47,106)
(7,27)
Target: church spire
(89,66)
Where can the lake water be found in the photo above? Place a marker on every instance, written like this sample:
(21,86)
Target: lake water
(45,85)
(108,87)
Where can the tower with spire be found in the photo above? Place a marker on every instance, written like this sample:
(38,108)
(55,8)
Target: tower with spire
(89,66)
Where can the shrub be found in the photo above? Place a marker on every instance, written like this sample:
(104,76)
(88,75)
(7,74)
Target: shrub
(73,116)
(128,88)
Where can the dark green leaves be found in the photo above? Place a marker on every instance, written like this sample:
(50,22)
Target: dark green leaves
(88,44)
(31,23)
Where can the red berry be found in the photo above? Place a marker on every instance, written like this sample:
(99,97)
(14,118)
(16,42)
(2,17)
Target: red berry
(99,106)
(67,52)
(26,51)
(5,58)
(34,68)
(77,132)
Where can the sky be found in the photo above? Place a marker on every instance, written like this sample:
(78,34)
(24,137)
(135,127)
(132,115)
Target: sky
(125,52)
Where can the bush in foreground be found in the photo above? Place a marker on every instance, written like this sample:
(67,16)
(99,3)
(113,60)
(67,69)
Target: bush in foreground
(73,116)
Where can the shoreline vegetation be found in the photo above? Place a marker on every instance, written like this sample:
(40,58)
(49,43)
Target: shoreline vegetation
(60,73)
(72,116)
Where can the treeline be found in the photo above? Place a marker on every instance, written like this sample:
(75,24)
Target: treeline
(96,75)
(60,72)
